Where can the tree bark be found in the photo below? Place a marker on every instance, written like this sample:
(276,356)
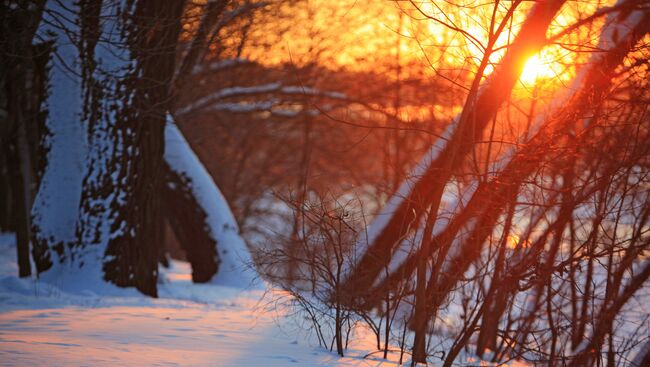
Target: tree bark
(133,254)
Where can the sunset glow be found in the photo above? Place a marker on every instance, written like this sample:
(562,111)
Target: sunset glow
(514,241)
(536,68)
(325,183)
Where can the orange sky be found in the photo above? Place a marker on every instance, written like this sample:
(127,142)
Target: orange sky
(365,35)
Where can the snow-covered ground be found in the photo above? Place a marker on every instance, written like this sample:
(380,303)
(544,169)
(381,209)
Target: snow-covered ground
(189,325)
(44,323)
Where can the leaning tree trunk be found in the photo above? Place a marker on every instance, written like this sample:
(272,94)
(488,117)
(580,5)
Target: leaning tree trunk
(201,218)
(404,210)
(188,221)
(589,88)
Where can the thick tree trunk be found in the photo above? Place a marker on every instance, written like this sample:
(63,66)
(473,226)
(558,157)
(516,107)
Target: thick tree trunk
(20,212)
(120,208)
(37,135)
(133,252)
(6,194)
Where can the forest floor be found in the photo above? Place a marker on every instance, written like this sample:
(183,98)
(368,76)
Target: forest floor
(42,324)
(189,325)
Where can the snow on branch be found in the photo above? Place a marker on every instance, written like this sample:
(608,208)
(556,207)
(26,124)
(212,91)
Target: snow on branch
(276,88)
(221,65)
(239,11)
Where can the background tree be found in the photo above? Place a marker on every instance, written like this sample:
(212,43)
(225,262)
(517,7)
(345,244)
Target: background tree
(23,78)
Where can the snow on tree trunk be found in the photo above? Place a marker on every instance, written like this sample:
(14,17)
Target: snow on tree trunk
(127,66)
(642,357)
(55,207)
(100,203)
(232,258)
(132,254)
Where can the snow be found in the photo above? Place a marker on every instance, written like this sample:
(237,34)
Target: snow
(243,107)
(268,107)
(617,28)
(644,350)
(190,325)
(234,257)
(57,201)
(239,91)
(221,65)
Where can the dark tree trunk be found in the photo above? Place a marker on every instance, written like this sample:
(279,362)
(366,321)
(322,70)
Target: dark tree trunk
(19,166)
(20,113)
(20,213)
(134,253)
(6,194)
(188,221)
(37,135)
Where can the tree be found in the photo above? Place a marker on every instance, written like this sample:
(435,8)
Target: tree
(126,121)
(23,86)
(113,81)
(459,254)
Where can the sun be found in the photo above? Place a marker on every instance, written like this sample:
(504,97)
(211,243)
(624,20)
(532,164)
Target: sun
(536,68)
(513,242)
